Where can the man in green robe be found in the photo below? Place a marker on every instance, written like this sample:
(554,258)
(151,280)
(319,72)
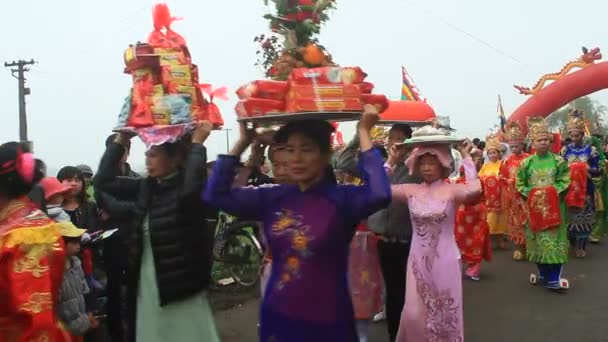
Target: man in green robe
(547,248)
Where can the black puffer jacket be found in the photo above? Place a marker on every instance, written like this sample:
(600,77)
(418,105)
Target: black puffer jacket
(181,242)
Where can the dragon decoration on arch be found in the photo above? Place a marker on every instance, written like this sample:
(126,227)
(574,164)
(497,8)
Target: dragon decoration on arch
(576,79)
(587,59)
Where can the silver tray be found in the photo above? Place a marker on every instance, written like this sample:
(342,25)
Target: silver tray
(129,129)
(271,118)
(439,140)
(409,123)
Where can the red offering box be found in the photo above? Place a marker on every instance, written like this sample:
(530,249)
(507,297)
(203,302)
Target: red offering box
(253,107)
(304,91)
(323,105)
(264,89)
(327,76)
(366,87)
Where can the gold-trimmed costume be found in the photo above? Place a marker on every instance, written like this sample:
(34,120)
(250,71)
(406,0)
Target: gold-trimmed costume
(31,270)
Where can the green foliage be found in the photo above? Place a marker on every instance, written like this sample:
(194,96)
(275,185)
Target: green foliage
(595,112)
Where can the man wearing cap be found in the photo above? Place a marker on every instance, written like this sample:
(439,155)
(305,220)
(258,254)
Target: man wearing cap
(394,229)
(87,173)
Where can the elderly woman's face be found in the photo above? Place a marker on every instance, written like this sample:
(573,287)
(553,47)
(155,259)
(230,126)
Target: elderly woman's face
(430,168)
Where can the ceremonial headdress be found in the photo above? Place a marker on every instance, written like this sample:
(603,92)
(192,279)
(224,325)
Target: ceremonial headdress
(514,133)
(537,128)
(493,143)
(576,121)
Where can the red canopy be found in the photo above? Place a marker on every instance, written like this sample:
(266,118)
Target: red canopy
(408,111)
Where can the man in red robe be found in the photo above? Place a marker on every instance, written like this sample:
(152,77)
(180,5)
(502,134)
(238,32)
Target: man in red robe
(517,213)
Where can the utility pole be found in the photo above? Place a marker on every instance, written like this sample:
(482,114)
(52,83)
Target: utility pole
(19,74)
(227,130)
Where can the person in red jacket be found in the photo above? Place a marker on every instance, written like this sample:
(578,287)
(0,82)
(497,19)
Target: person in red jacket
(31,256)
(471,230)
(514,203)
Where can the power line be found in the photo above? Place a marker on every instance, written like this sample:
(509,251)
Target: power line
(19,74)
(466,33)
(481,41)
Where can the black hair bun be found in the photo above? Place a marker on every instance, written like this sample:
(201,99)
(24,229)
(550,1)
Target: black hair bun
(318,130)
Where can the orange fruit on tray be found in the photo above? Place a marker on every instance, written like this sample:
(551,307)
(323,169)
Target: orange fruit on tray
(313,55)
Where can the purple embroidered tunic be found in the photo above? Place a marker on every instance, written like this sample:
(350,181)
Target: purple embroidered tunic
(309,232)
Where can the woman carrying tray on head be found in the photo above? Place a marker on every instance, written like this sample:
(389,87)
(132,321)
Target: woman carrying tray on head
(433,299)
(170,246)
(309,226)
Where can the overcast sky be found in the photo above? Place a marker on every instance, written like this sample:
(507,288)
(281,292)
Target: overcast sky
(78,85)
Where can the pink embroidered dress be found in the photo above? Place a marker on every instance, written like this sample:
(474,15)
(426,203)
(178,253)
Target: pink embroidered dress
(433,299)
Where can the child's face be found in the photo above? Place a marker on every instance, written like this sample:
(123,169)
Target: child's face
(72,247)
(75,184)
(55,200)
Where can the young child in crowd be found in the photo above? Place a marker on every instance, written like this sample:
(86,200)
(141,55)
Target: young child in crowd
(54,193)
(71,307)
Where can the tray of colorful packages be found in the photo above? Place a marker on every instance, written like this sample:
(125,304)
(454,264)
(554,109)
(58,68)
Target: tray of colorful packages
(325,93)
(166,99)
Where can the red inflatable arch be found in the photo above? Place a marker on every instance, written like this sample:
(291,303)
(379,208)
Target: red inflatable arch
(413,112)
(565,87)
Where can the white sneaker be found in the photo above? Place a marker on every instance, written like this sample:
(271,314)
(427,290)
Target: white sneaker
(379,317)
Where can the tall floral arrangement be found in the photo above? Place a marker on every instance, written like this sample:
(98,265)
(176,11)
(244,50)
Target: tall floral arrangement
(293,42)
